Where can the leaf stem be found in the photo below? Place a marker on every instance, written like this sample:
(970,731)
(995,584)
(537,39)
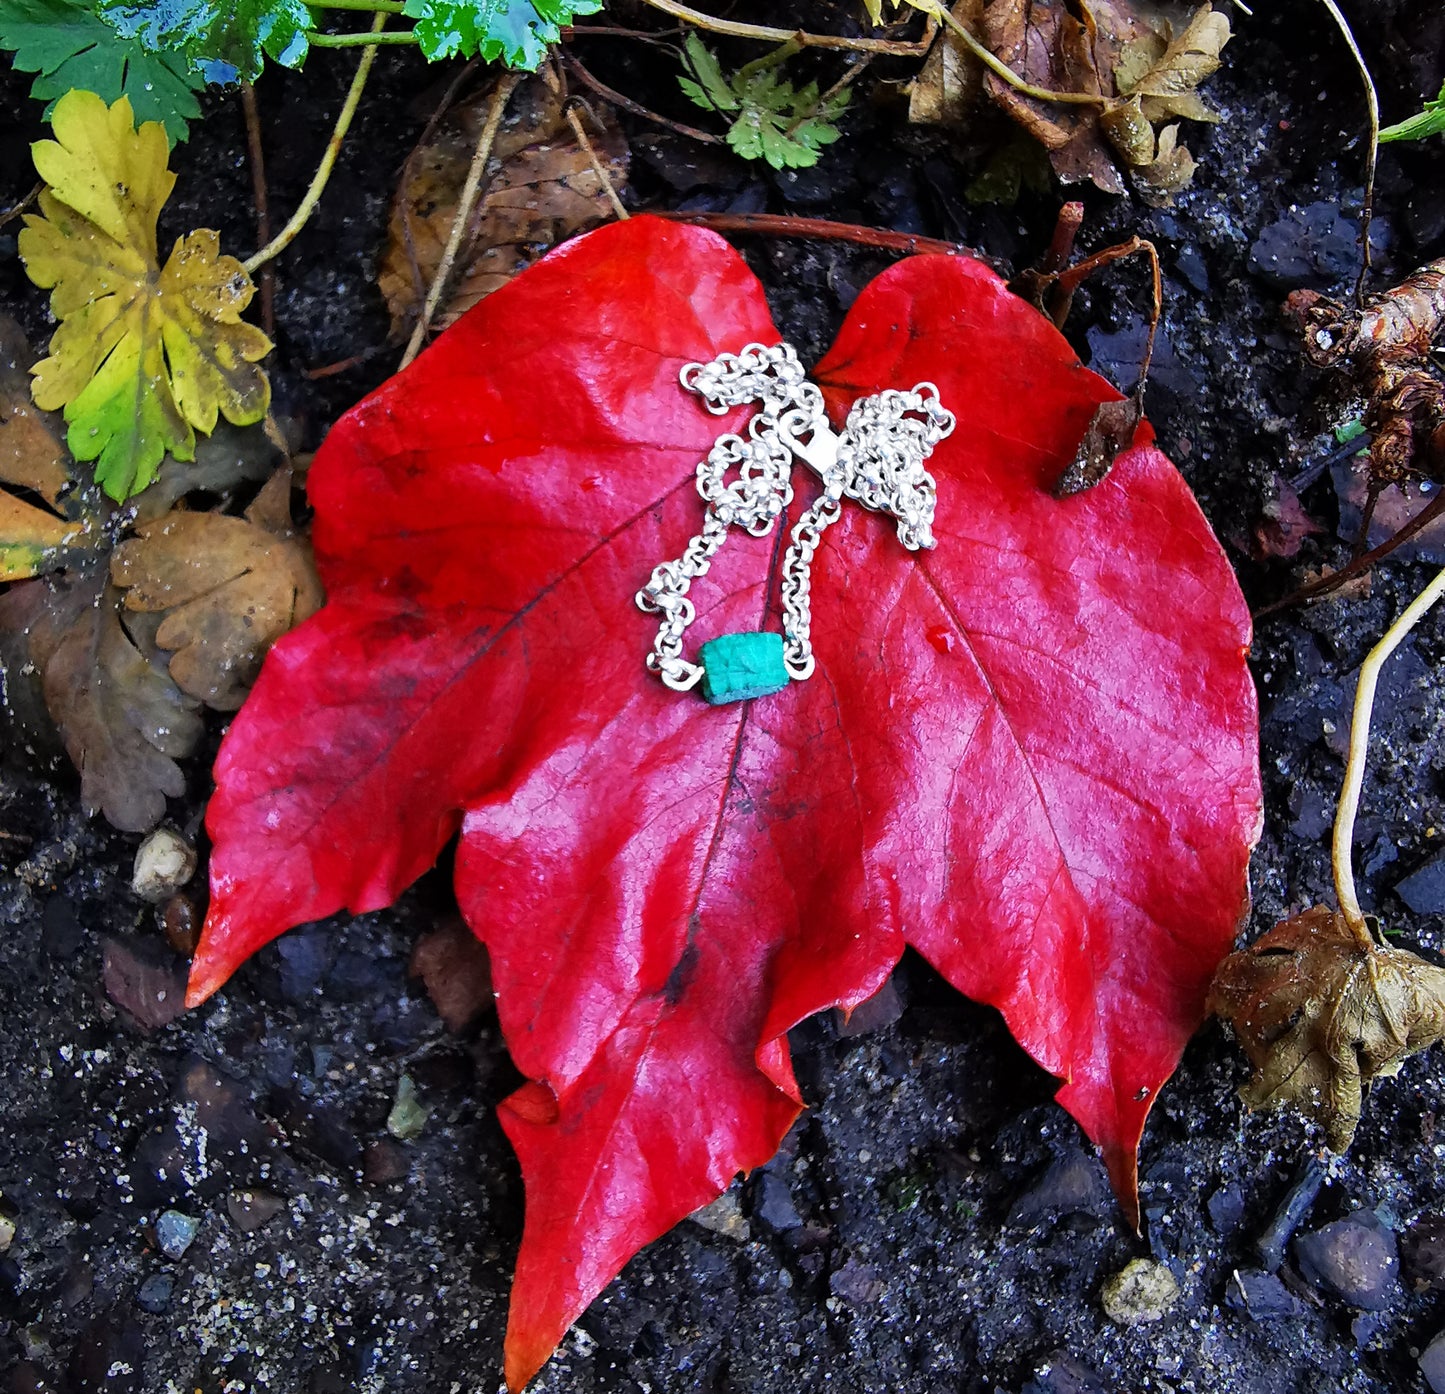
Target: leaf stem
(767,33)
(301,216)
(1004,73)
(502,94)
(1372,104)
(387,7)
(823,230)
(1359,752)
(609,94)
(368,41)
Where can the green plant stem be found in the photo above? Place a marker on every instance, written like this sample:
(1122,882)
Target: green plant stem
(380,7)
(769,34)
(368,41)
(1372,104)
(1001,70)
(1344,838)
(300,217)
(506,85)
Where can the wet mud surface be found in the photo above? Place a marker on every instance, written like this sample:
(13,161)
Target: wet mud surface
(217,1204)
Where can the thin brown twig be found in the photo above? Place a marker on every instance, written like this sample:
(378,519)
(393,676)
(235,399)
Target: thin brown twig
(822,230)
(614,31)
(609,94)
(603,178)
(506,85)
(256,157)
(1314,590)
(767,33)
(10,214)
(1071,279)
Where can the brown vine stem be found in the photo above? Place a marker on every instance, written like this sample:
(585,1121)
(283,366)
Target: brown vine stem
(822,230)
(257,159)
(608,94)
(767,33)
(506,85)
(1314,590)
(302,215)
(1344,835)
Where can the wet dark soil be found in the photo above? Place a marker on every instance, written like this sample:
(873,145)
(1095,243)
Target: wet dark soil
(934,1223)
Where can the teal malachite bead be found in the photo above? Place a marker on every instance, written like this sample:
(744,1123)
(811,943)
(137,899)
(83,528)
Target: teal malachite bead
(739,666)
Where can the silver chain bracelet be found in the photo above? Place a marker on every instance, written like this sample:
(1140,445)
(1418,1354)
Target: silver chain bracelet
(878,460)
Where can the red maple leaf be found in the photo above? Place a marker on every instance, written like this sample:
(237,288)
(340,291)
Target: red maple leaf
(1029,753)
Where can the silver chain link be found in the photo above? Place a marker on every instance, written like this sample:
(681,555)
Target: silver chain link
(878,460)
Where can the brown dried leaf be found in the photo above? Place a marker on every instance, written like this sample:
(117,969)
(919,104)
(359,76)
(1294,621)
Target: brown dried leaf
(1168,85)
(123,721)
(1111,429)
(453,964)
(1320,1016)
(228,589)
(1171,170)
(544,190)
(34,531)
(951,81)
(1048,46)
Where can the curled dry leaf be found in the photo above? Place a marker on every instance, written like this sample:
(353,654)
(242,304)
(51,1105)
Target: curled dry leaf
(228,588)
(123,721)
(34,528)
(543,191)
(952,78)
(1320,1016)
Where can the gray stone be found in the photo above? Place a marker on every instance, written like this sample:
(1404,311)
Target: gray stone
(1355,1259)
(1424,890)
(1261,1296)
(1432,1364)
(155,1293)
(164,863)
(1073,1184)
(174,1233)
(773,1203)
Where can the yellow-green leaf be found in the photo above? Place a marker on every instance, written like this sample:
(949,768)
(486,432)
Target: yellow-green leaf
(145,355)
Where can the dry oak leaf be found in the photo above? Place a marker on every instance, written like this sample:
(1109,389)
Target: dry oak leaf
(34,536)
(544,190)
(145,355)
(1030,753)
(124,724)
(228,589)
(1320,1016)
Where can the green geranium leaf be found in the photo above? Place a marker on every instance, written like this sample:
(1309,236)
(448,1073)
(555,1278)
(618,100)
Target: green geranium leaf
(518,32)
(224,40)
(69,47)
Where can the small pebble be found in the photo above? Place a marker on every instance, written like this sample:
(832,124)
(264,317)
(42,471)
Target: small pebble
(7,1233)
(165,862)
(773,1204)
(1261,1295)
(408,1114)
(181,924)
(1432,1364)
(1143,1291)
(1073,1184)
(249,1210)
(155,1293)
(1424,890)
(1354,1258)
(384,1162)
(174,1233)
(724,1216)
